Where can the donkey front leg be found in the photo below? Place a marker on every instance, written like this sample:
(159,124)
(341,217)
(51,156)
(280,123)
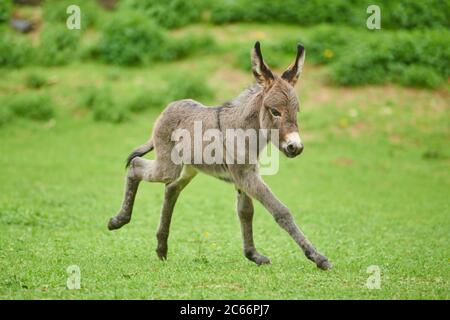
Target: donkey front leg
(245,212)
(171,194)
(256,188)
(140,169)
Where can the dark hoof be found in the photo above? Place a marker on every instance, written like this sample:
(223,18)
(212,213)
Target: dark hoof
(320,260)
(257,258)
(162,254)
(116,223)
(324,264)
(262,260)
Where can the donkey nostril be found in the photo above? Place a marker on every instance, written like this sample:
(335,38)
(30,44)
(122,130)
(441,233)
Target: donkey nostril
(291,147)
(294,149)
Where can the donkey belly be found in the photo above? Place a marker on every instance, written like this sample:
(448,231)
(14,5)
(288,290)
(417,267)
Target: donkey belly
(219,171)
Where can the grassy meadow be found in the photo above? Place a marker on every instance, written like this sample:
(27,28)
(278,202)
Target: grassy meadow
(371,188)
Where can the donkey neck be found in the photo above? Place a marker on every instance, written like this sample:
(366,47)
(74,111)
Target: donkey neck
(243,111)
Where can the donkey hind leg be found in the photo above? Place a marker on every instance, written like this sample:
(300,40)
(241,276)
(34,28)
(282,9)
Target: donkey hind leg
(245,213)
(171,194)
(141,169)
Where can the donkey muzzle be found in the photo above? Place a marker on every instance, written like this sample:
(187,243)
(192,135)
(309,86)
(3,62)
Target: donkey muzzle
(293,145)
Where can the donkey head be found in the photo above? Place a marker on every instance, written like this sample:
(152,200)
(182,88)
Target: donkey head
(279,101)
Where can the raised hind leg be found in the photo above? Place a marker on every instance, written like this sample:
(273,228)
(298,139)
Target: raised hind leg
(141,169)
(171,194)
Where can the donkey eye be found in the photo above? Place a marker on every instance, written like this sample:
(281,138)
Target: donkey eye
(275,112)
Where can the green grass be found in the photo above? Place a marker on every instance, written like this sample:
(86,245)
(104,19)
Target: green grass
(370,189)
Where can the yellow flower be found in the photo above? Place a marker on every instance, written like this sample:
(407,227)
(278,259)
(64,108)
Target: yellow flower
(206,234)
(343,123)
(328,53)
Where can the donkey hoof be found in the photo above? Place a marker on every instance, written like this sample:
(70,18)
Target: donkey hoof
(259,260)
(253,255)
(116,223)
(162,254)
(324,264)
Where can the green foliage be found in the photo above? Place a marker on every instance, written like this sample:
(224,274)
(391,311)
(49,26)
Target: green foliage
(407,14)
(58,45)
(133,39)
(89,96)
(179,86)
(326,43)
(290,11)
(274,54)
(420,76)
(184,85)
(169,13)
(35,80)
(102,104)
(5,10)
(182,47)
(359,68)
(146,100)
(109,113)
(30,105)
(130,38)
(14,51)
(5,115)
(411,58)
(395,14)
(242,58)
(401,57)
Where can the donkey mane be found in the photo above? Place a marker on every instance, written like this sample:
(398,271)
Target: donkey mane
(244,97)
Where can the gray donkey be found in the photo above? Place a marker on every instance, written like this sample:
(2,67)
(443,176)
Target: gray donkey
(271,103)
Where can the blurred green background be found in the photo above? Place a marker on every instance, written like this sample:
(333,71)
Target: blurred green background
(370,189)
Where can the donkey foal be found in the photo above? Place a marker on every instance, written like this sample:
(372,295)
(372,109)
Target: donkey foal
(269,104)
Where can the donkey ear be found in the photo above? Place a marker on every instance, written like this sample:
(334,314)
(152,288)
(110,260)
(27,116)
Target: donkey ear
(292,73)
(261,71)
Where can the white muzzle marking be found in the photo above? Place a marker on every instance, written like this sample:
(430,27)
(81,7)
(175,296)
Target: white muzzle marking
(292,138)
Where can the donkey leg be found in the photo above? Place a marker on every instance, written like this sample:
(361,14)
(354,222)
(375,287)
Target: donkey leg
(140,169)
(171,194)
(254,186)
(124,214)
(245,212)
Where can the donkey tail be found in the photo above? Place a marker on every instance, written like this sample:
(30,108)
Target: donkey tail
(140,151)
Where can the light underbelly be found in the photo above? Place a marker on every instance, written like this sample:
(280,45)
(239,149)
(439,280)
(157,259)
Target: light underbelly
(219,171)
